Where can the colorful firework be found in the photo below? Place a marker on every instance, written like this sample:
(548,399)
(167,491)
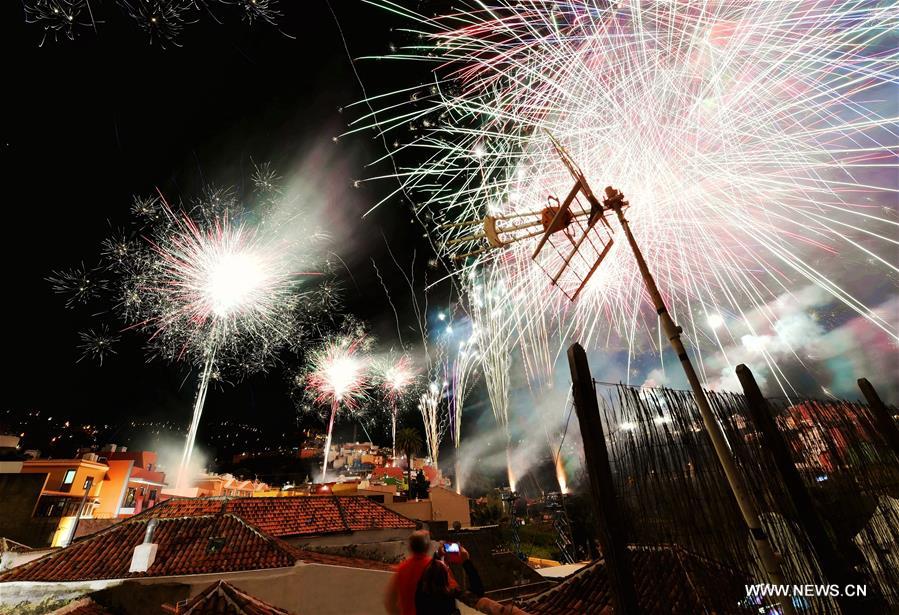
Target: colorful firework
(224,288)
(396,375)
(337,376)
(754,140)
(219,293)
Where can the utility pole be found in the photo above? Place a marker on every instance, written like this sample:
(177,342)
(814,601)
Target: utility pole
(615,201)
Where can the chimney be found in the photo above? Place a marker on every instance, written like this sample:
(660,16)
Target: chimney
(145,553)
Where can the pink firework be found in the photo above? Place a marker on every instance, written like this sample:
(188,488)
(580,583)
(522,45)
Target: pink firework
(338,376)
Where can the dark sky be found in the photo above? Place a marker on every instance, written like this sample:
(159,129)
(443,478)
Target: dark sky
(89,123)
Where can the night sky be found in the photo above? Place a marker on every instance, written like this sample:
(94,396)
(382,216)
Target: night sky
(92,122)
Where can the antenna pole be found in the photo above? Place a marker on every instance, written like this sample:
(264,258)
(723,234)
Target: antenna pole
(615,201)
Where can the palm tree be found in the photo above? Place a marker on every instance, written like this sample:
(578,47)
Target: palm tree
(408,440)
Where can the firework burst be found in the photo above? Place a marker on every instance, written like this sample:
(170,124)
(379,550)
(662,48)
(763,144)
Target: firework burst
(222,287)
(754,140)
(97,343)
(337,377)
(79,285)
(395,375)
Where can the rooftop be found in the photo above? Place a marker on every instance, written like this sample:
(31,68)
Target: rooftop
(214,535)
(291,516)
(225,599)
(668,580)
(187,545)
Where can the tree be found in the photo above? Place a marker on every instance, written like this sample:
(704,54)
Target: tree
(409,441)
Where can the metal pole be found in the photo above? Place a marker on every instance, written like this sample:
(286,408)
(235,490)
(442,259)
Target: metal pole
(615,201)
(602,487)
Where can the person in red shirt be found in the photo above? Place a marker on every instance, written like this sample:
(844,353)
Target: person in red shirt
(400,596)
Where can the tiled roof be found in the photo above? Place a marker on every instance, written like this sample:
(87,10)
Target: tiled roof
(292,516)
(222,598)
(361,513)
(668,580)
(187,545)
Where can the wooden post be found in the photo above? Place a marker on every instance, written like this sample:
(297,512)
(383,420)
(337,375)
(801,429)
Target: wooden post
(834,566)
(611,532)
(884,420)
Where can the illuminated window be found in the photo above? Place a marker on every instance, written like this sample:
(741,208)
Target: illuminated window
(67,480)
(129,498)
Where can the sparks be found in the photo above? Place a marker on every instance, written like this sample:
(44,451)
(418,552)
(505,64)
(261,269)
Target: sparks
(754,140)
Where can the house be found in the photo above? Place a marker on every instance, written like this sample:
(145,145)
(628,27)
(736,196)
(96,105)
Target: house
(442,505)
(135,483)
(181,546)
(43,502)
(215,485)
(53,501)
(223,597)
(668,580)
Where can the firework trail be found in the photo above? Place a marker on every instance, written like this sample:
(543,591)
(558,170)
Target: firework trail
(495,332)
(396,375)
(755,142)
(429,405)
(463,377)
(337,377)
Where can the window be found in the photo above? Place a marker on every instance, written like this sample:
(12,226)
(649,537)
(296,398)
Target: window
(68,479)
(88,482)
(152,495)
(129,498)
(50,506)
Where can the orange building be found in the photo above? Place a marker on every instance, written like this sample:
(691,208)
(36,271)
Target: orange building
(72,490)
(133,483)
(214,485)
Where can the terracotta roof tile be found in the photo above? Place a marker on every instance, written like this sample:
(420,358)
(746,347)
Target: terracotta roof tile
(668,580)
(362,513)
(222,598)
(185,507)
(209,535)
(292,516)
(191,545)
